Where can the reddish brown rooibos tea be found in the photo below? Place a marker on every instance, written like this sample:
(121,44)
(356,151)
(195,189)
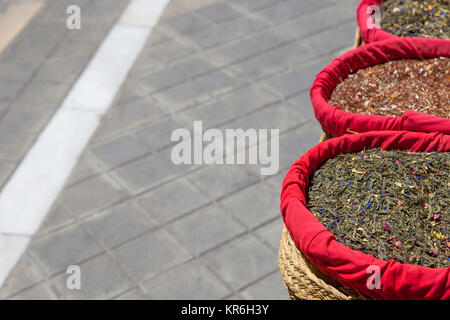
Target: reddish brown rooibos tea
(395,87)
(390,204)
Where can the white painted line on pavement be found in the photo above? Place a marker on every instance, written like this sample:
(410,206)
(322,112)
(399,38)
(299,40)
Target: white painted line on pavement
(35,185)
(11,249)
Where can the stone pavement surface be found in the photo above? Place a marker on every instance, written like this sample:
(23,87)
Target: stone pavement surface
(139,226)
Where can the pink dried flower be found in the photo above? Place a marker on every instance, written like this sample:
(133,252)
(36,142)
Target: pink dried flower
(434,252)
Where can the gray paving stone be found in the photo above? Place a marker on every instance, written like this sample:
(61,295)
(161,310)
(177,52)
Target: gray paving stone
(252,4)
(271,233)
(8,90)
(327,42)
(91,32)
(187,23)
(149,171)
(297,81)
(236,296)
(101,278)
(198,90)
(14,145)
(196,282)
(157,36)
(302,102)
(254,205)
(42,95)
(85,168)
(280,116)
(218,12)
(241,26)
(218,181)
(172,200)
(92,194)
(197,4)
(269,288)
(241,262)
(176,74)
(130,90)
(205,229)
(25,274)
(216,81)
(25,121)
(15,68)
(320,20)
(222,33)
(144,65)
(58,217)
(120,151)
(59,70)
(119,224)
(74,53)
(286,10)
(248,47)
(275,60)
(209,37)
(168,51)
(110,128)
(39,41)
(152,254)
(133,294)
(276,181)
(158,134)
(6,170)
(113,7)
(41,291)
(66,247)
(294,144)
(237,103)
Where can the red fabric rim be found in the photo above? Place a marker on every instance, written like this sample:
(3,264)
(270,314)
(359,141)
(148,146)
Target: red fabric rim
(362,18)
(338,122)
(350,267)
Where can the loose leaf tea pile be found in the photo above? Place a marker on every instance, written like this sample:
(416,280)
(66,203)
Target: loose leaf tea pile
(390,204)
(416,18)
(395,87)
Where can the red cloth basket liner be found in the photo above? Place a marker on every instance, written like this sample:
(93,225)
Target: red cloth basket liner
(338,122)
(350,267)
(364,16)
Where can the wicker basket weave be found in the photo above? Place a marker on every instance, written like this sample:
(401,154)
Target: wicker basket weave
(303,280)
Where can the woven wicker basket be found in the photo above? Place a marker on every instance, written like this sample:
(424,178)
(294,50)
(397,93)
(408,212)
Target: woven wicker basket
(302,279)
